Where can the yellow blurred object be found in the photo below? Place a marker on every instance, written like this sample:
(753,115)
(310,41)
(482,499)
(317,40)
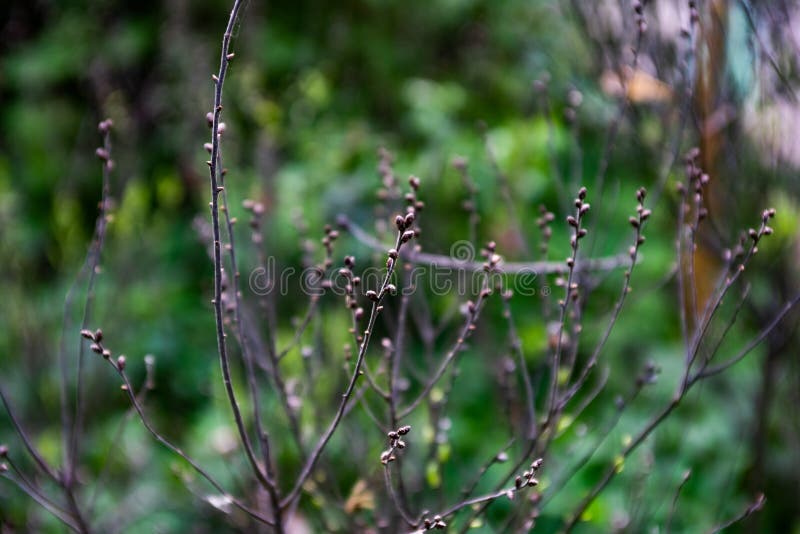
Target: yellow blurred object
(360,498)
(640,86)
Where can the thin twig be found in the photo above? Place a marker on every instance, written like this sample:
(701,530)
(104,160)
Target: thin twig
(684,480)
(472,317)
(128,389)
(754,507)
(61,515)
(216,189)
(334,424)
(638,223)
(26,441)
(247,357)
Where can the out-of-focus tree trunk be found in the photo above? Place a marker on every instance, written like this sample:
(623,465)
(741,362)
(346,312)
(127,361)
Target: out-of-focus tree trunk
(708,106)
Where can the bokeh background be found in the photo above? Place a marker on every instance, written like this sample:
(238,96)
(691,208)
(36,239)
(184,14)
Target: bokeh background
(315,89)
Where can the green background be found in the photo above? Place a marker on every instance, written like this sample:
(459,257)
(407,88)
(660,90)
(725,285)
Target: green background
(315,89)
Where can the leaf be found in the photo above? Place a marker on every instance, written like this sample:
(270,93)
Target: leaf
(360,498)
(641,87)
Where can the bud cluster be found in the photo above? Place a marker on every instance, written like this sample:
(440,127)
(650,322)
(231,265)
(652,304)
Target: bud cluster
(638,10)
(649,375)
(740,253)
(694,15)
(697,180)
(396,442)
(637,222)
(390,189)
(575,221)
(97,347)
(434,523)
(104,153)
(328,239)
(492,259)
(350,299)
(256,210)
(543,223)
(528,478)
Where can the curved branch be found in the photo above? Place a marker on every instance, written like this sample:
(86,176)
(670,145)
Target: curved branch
(608,263)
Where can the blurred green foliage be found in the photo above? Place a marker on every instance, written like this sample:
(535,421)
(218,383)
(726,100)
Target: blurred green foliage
(315,89)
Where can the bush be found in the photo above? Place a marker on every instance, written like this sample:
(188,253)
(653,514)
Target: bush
(371,383)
